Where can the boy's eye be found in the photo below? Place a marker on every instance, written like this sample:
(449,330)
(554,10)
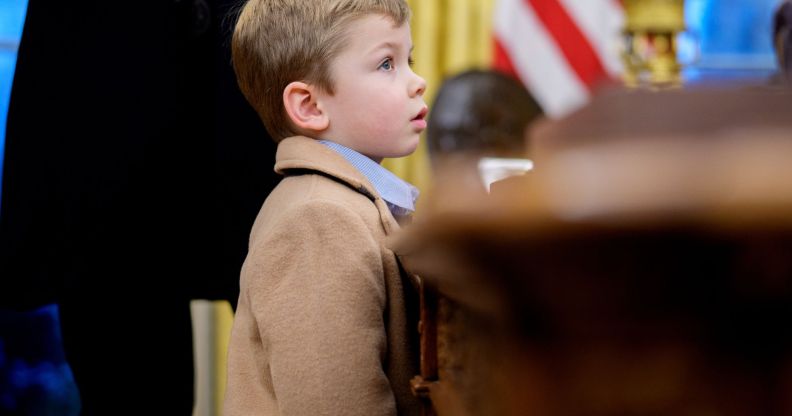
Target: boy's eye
(387,65)
(410,61)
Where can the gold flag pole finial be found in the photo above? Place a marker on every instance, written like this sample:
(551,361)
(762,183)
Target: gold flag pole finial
(650,54)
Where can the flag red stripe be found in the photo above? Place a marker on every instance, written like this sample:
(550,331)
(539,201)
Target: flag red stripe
(502,61)
(573,44)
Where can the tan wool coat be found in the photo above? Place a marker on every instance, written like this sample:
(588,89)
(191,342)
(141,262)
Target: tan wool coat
(322,327)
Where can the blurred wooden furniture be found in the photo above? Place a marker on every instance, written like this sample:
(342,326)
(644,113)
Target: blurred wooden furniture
(643,268)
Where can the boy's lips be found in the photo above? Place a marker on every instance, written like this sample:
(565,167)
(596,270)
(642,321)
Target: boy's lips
(419,121)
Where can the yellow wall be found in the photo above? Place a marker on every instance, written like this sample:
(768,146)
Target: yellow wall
(211,331)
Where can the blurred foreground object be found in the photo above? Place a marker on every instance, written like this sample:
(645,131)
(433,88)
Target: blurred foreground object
(643,268)
(650,56)
(782,40)
(479,119)
(493,169)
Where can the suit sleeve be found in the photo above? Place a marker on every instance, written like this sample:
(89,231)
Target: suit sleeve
(319,299)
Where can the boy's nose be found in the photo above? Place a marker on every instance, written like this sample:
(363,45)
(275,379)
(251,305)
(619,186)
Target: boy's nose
(418,86)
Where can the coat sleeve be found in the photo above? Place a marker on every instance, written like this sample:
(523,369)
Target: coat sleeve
(319,299)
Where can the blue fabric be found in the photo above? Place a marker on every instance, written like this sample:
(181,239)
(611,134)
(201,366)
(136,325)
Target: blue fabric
(399,195)
(35,378)
(12,17)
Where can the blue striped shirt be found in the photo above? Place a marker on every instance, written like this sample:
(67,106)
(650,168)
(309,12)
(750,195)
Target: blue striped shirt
(399,195)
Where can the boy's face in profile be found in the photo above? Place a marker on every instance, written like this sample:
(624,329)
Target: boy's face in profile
(377,107)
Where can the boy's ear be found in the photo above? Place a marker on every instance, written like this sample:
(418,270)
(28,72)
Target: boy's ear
(300,100)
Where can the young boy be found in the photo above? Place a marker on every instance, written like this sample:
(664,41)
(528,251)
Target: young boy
(322,324)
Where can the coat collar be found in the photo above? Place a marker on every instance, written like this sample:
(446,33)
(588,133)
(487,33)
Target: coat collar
(299,153)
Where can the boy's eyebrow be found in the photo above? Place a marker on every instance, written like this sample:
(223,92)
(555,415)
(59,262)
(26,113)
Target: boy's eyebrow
(390,45)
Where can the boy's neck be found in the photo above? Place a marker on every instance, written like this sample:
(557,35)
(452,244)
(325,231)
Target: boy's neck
(376,160)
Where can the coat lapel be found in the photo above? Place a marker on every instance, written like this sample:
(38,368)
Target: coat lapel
(303,153)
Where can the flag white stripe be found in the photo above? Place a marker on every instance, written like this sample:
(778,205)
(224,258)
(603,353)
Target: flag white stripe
(537,59)
(601,22)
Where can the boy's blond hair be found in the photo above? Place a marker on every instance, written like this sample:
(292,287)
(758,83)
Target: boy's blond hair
(277,42)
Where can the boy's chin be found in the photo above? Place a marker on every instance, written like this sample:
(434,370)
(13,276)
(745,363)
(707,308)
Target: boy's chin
(411,147)
(405,153)
(407,149)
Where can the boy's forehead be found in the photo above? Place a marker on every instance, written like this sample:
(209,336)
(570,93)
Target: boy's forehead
(374,32)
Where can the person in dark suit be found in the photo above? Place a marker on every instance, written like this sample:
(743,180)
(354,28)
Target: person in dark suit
(484,112)
(480,114)
(132,175)
(782,41)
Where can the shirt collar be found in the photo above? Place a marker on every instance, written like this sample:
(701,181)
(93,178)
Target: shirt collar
(398,194)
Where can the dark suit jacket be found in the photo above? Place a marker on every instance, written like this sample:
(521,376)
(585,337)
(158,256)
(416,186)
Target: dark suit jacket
(133,171)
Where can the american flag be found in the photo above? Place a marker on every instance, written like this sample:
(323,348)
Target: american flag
(562,50)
